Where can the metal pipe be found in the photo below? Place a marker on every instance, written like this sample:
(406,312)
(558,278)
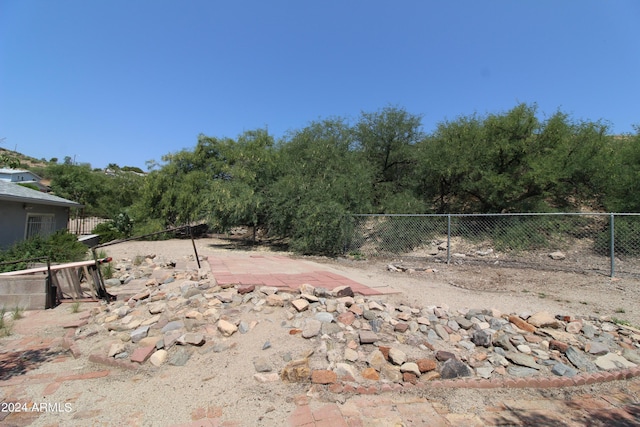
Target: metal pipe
(612,245)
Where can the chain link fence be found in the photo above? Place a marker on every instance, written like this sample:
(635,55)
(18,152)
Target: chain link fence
(603,243)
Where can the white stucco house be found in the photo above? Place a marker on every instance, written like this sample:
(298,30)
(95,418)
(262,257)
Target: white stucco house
(22,177)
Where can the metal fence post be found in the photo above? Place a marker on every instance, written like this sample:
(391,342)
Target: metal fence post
(448,238)
(612,244)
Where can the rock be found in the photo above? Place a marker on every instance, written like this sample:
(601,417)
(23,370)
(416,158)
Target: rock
(112,282)
(245,289)
(343,291)
(193,338)
(573,327)
(397,357)
(368,337)
(612,361)
(158,358)
(324,317)
(596,348)
(262,365)
(543,319)
(442,355)
(484,371)
(345,371)
(521,324)
(482,338)
(501,340)
(346,318)
(369,314)
(226,328)
(558,345)
(370,374)
(323,376)
(350,355)
(171,326)
(157,307)
(521,371)
(139,333)
(306,288)
(454,368)
(401,327)
(179,358)
(376,360)
(631,356)
(144,342)
(442,332)
(426,365)
(171,337)
(580,360)
(557,255)
(300,304)
(522,360)
(141,354)
(311,328)
(410,367)
(563,370)
(275,300)
(116,348)
(391,373)
(523,348)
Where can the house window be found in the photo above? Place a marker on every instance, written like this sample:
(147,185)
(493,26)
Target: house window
(40,225)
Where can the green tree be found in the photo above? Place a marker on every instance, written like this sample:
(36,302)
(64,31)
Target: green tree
(621,174)
(321,180)
(239,194)
(512,162)
(386,140)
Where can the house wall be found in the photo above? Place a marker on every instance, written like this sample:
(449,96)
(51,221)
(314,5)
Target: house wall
(13,220)
(22,176)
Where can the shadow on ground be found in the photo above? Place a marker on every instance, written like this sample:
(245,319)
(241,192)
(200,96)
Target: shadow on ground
(626,416)
(20,362)
(246,243)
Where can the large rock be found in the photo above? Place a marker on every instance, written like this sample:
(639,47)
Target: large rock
(543,319)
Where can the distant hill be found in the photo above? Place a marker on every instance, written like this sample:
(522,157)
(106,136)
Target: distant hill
(25,161)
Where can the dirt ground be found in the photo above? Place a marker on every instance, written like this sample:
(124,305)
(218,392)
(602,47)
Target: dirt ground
(223,380)
(463,284)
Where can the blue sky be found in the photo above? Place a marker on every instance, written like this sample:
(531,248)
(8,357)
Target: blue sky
(126,81)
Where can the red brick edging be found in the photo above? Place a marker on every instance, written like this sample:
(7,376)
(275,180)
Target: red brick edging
(533,382)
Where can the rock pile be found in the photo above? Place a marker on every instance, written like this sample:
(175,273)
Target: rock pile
(349,338)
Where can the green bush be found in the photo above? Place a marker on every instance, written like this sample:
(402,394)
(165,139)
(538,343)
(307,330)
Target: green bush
(59,247)
(320,229)
(117,228)
(151,226)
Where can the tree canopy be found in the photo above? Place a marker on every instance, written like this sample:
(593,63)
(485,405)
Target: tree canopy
(304,186)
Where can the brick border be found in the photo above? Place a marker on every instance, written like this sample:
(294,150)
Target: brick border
(343,387)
